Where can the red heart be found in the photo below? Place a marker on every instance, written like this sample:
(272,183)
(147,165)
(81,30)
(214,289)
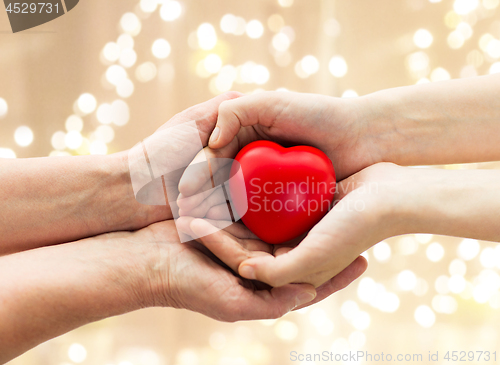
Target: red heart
(288,190)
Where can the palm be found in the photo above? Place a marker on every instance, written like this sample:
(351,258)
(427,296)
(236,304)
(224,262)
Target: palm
(194,279)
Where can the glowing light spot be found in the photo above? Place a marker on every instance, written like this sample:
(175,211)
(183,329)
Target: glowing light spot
(425,316)
(86,103)
(125,88)
(148,6)
(128,57)
(115,74)
(4,108)
(457,267)
(407,280)
(207,38)
(161,48)
(254,29)
(146,72)
(7,153)
(493,48)
(104,114)
(241,26)
(441,284)
(452,19)
(120,111)
(57,140)
(463,7)
(495,68)
(225,79)
(74,123)
(275,23)
(440,74)
(125,41)
(130,24)
(283,59)
(281,42)
(487,258)
(468,249)
(491,4)
(484,41)
(286,330)
(418,62)
(23,136)
(332,28)
(435,252)
(444,304)
(104,133)
(455,40)
(285,3)
(367,289)
(170,10)
(349,309)
(382,251)
(361,320)
(423,38)
(98,148)
(212,63)
(260,74)
(73,140)
(337,66)
(77,353)
(423,238)
(457,284)
(111,52)
(310,64)
(465,29)
(228,23)
(407,245)
(349,93)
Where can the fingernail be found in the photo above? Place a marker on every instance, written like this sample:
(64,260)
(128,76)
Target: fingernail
(247,272)
(215,135)
(304,298)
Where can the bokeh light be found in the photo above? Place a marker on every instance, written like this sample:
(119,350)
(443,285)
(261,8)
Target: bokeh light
(4,108)
(23,136)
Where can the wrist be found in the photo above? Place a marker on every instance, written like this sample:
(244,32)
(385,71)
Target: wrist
(125,212)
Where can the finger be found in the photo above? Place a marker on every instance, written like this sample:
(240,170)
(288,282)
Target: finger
(339,281)
(216,197)
(187,203)
(233,115)
(205,115)
(225,246)
(327,249)
(190,183)
(271,304)
(217,212)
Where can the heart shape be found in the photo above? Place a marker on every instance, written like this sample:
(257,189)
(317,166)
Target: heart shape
(286,191)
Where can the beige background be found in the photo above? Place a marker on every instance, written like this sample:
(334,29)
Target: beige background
(44,71)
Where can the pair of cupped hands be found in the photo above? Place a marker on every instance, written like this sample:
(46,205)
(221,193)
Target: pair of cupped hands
(230,274)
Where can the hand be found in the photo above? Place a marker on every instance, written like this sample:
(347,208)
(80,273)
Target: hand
(182,275)
(236,244)
(335,126)
(364,215)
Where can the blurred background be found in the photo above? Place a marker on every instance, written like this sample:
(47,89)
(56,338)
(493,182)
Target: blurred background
(109,73)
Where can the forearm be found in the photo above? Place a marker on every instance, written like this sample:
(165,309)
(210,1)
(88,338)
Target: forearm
(462,203)
(448,122)
(53,200)
(51,290)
